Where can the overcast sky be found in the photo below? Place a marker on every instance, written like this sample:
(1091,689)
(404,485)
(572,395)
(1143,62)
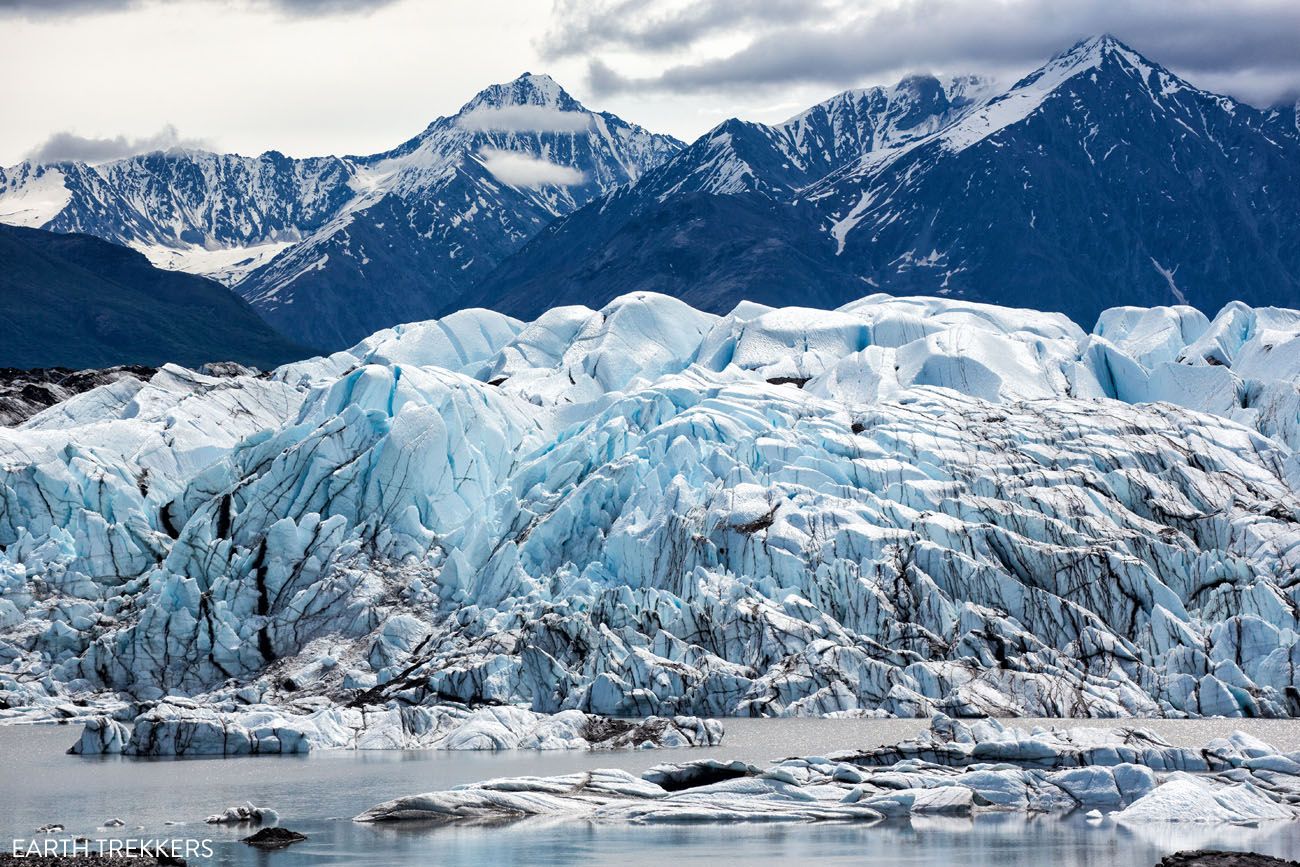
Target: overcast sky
(96,78)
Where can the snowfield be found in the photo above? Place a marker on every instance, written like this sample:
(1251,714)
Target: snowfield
(907,506)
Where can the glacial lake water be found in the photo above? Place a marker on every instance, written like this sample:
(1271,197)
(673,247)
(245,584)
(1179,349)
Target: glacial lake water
(318,795)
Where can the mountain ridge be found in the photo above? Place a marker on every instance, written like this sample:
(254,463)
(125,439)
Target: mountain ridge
(1099,179)
(329,249)
(1008,201)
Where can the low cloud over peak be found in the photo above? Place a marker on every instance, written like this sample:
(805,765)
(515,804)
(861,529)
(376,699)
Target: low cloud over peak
(525,118)
(524,170)
(1249,46)
(70,147)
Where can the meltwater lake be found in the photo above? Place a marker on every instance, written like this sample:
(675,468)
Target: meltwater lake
(319,794)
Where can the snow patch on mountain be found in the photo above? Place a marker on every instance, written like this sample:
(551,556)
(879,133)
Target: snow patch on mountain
(226,265)
(32,195)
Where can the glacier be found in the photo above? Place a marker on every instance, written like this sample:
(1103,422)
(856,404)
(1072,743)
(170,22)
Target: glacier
(907,506)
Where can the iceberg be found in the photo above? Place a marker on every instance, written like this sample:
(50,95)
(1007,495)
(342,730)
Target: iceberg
(862,788)
(182,728)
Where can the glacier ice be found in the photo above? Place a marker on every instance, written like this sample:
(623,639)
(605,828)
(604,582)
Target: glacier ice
(242,813)
(893,781)
(907,506)
(180,728)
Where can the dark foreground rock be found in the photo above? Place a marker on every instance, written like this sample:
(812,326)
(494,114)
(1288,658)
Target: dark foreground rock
(274,838)
(1213,858)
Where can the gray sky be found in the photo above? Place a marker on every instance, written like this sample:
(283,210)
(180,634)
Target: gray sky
(96,78)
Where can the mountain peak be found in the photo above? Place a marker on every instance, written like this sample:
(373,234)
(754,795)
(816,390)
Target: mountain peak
(528,89)
(1096,52)
(1095,47)
(1101,56)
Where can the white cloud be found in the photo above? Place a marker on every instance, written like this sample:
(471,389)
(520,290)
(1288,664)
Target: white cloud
(1248,45)
(63,146)
(665,64)
(522,170)
(72,8)
(525,118)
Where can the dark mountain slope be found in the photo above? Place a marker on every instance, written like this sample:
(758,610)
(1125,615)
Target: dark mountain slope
(710,250)
(716,223)
(1100,180)
(72,300)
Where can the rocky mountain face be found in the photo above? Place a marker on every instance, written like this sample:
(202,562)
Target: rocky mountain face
(718,222)
(1099,179)
(330,249)
(194,197)
(903,506)
(436,214)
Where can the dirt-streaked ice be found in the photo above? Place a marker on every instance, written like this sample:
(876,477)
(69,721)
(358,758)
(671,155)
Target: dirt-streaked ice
(907,506)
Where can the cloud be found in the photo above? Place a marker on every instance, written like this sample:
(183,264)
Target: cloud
(1248,45)
(663,25)
(68,146)
(49,8)
(525,118)
(522,170)
(68,8)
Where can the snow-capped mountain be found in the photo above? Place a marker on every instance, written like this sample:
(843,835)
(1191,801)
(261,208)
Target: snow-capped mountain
(435,214)
(906,505)
(739,156)
(716,223)
(1099,179)
(212,214)
(330,249)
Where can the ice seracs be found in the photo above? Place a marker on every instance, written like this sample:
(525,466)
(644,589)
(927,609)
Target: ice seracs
(902,507)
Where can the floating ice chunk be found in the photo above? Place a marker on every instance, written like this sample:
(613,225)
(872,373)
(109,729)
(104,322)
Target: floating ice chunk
(1186,798)
(177,729)
(244,813)
(947,800)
